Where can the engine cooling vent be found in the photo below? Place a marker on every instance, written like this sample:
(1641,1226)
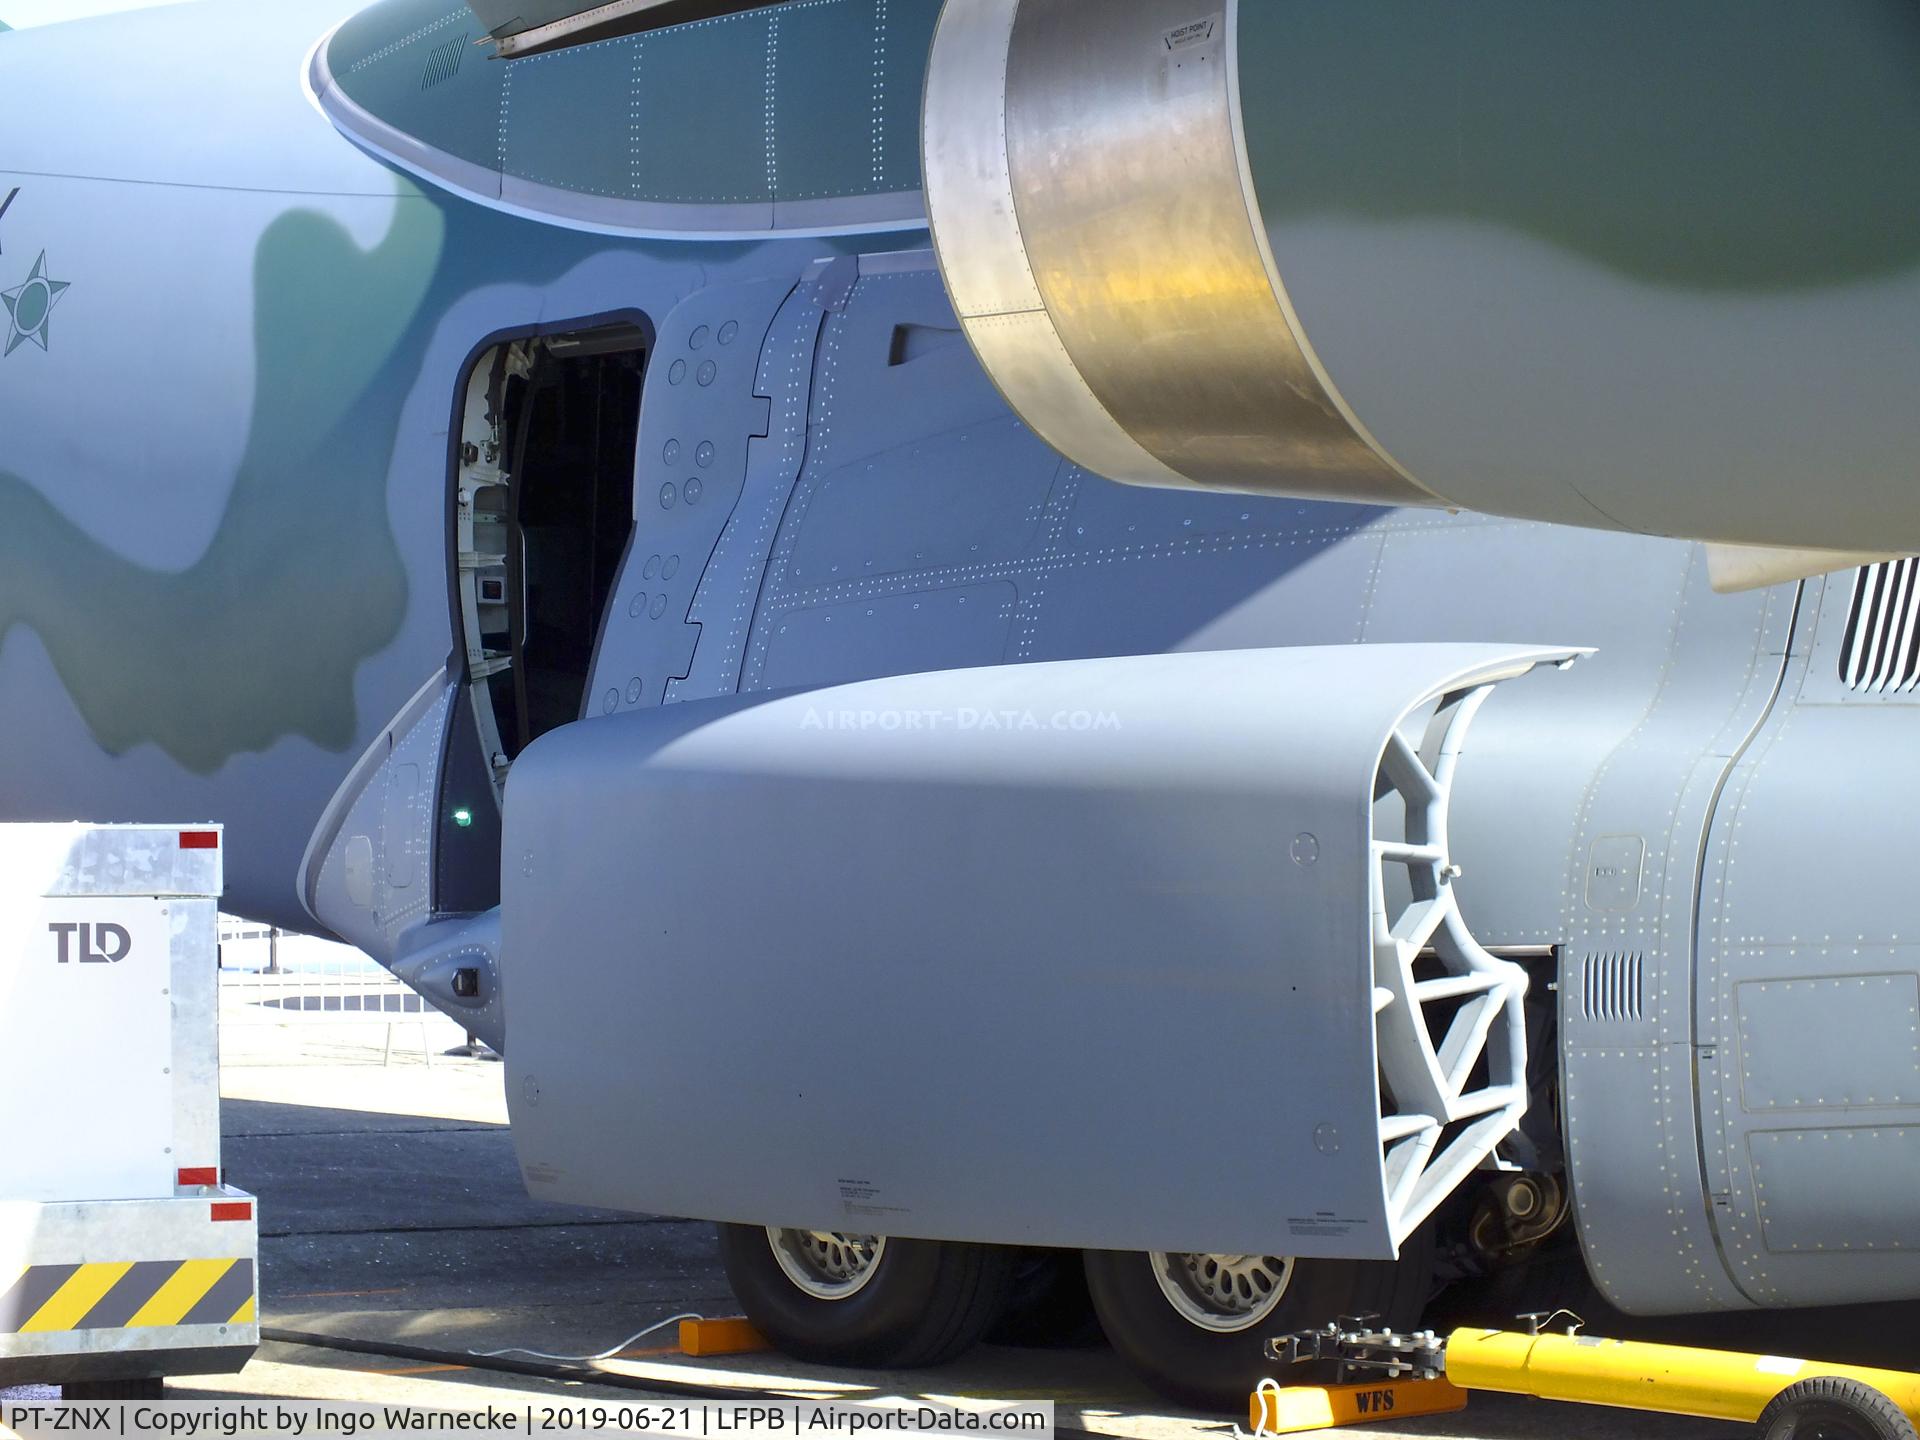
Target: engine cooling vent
(1881,652)
(1611,985)
(444,62)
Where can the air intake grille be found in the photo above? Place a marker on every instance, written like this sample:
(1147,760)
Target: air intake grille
(1610,985)
(444,63)
(1881,651)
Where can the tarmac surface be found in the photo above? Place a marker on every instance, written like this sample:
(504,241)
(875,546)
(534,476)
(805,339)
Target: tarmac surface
(391,1210)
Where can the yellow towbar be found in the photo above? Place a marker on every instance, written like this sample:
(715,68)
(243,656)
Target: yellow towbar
(1714,1384)
(1424,1373)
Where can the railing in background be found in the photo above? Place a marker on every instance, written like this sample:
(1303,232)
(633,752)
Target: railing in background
(270,977)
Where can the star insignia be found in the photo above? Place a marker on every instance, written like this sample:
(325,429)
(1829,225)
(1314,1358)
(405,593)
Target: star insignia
(30,306)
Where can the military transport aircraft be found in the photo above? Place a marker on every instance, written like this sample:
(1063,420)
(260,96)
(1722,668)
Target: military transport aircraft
(608,508)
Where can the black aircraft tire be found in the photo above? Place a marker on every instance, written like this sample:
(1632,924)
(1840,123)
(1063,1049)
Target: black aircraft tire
(927,1302)
(143,1387)
(1209,1370)
(1048,1307)
(1830,1408)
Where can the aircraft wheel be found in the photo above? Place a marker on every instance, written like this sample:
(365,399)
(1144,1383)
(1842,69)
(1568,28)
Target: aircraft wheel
(1830,1408)
(144,1387)
(836,1298)
(1195,1326)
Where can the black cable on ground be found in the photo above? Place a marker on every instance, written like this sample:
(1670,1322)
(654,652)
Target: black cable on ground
(552,1370)
(538,1369)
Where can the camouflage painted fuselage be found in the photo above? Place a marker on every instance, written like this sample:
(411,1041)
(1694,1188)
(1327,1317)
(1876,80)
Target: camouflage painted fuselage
(223,501)
(234,341)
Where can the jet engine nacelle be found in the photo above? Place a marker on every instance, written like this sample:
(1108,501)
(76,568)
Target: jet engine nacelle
(1634,266)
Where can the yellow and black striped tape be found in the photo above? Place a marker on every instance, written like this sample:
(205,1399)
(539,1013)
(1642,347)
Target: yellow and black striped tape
(124,1294)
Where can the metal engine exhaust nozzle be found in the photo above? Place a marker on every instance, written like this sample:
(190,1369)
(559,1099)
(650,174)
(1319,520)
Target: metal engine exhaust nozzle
(1371,253)
(1144,953)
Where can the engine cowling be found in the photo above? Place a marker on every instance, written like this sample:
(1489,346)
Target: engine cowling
(1637,266)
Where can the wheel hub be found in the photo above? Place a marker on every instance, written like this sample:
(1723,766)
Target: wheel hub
(1222,1293)
(827,1264)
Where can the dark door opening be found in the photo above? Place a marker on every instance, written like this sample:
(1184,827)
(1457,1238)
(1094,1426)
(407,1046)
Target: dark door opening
(547,488)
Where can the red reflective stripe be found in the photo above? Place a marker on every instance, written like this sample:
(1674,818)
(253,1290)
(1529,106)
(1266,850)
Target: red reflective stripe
(200,1175)
(199,839)
(233,1210)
